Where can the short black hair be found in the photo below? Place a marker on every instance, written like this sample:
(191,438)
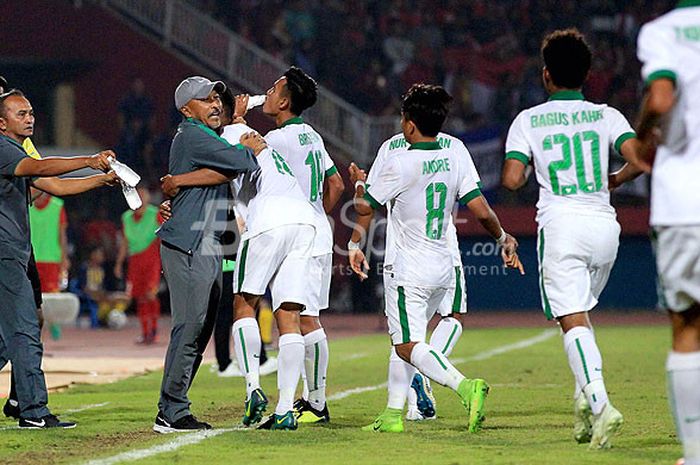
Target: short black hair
(567,57)
(228,102)
(5,96)
(426,106)
(303,90)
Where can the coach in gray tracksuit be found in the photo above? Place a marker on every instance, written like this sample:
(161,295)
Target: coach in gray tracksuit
(191,245)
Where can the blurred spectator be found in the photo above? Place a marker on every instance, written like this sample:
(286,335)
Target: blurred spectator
(49,223)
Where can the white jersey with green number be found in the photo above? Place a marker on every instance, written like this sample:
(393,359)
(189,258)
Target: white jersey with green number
(421,184)
(308,159)
(568,139)
(269,196)
(669,47)
(397,144)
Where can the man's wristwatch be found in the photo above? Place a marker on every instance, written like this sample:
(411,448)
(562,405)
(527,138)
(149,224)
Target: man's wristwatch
(353,245)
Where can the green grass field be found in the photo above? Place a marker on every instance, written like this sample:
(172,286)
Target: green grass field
(528,412)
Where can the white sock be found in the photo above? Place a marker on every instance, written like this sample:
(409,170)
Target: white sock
(247,344)
(435,366)
(304,385)
(316,367)
(586,364)
(683,371)
(446,335)
(412,397)
(400,376)
(291,359)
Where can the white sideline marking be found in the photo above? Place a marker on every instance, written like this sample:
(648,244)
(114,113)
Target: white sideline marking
(478,357)
(525,343)
(181,440)
(189,439)
(353,357)
(359,390)
(86,407)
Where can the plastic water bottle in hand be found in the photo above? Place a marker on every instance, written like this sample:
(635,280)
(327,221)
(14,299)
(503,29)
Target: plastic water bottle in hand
(256,101)
(126,174)
(133,199)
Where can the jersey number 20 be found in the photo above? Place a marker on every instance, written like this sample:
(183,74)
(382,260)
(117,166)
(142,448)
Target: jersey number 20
(577,141)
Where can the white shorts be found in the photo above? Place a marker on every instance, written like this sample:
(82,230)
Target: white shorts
(409,308)
(455,301)
(279,258)
(678,265)
(319,287)
(576,254)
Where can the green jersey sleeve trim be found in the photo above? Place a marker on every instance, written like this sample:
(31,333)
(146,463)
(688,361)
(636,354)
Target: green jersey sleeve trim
(331,171)
(470,196)
(622,139)
(521,157)
(372,201)
(661,74)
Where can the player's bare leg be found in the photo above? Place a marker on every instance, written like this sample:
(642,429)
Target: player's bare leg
(586,363)
(683,371)
(312,408)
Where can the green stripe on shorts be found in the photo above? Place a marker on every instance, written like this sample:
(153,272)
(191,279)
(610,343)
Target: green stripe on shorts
(457,302)
(241,265)
(403,316)
(543,292)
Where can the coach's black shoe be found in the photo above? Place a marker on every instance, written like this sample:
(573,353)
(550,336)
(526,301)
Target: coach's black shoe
(183,425)
(45,422)
(11,409)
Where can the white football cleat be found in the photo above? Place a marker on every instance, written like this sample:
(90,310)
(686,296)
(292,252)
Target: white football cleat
(605,426)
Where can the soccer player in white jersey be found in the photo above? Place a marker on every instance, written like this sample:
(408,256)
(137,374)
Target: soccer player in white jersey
(567,139)
(275,250)
(422,184)
(421,403)
(306,154)
(669,49)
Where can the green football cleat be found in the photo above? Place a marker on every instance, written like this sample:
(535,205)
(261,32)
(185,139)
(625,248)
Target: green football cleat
(254,407)
(582,419)
(473,393)
(285,422)
(605,426)
(389,421)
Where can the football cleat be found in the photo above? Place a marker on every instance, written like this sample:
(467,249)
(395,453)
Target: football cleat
(582,419)
(254,407)
(425,402)
(279,422)
(389,421)
(605,426)
(308,414)
(473,393)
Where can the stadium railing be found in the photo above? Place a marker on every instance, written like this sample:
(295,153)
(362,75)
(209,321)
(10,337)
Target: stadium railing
(184,28)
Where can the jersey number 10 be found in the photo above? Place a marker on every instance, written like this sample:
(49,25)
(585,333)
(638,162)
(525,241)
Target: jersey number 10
(313,159)
(577,141)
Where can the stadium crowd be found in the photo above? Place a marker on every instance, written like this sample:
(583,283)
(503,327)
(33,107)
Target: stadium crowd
(486,54)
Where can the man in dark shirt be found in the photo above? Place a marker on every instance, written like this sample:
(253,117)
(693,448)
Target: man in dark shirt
(19,325)
(191,244)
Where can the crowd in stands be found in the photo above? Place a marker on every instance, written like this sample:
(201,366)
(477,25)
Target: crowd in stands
(485,53)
